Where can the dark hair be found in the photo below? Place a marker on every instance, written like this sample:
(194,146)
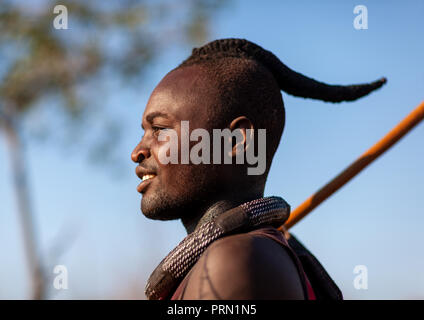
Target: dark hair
(250,79)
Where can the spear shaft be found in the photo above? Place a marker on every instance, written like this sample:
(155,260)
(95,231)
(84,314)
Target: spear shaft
(400,130)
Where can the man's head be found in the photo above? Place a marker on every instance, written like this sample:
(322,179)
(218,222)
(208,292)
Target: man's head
(194,94)
(229,83)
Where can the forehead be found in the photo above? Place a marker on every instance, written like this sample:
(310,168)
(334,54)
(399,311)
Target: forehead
(184,94)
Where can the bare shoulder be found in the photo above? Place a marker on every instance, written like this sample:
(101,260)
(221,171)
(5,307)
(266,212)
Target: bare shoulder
(244,266)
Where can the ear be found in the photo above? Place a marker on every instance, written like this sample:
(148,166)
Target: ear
(241,124)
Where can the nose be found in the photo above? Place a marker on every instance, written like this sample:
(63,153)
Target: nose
(140,153)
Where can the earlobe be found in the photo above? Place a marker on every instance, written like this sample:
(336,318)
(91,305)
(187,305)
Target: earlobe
(242,129)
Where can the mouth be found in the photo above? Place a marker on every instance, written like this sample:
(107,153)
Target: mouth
(145,181)
(146,178)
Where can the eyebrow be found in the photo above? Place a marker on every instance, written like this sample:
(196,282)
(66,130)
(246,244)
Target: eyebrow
(152,115)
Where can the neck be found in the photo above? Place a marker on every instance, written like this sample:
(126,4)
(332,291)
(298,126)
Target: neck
(214,209)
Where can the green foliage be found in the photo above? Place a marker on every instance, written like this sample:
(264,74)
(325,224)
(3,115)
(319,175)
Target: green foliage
(122,37)
(54,82)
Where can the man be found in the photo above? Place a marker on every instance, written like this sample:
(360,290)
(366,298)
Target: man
(232,250)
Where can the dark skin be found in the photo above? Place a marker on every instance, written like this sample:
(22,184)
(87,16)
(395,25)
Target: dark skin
(254,267)
(244,267)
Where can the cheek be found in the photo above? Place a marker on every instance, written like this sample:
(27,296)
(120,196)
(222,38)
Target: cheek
(175,178)
(172,176)
(164,158)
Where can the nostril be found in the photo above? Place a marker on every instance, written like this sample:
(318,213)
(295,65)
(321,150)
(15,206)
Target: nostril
(137,156)
(140,157)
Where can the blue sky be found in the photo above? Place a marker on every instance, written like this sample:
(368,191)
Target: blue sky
(375,220)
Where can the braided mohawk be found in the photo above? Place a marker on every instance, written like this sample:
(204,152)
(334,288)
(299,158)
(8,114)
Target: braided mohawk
(247,81)
(288,80)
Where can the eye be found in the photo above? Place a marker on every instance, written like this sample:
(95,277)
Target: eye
(156,130)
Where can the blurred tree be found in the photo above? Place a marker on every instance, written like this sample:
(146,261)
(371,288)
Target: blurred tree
(39,62)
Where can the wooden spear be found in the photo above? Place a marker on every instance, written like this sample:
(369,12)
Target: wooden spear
(401,129)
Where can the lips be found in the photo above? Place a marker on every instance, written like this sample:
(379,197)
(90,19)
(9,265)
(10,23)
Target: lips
(146,177)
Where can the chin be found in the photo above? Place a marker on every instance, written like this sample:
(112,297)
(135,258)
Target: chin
(161,205)
(156,207)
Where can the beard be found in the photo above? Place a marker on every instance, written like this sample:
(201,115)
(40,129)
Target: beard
(188,192)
